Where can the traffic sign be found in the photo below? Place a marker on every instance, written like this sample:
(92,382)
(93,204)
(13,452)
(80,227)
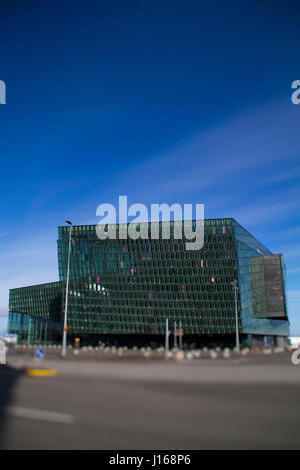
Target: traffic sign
(40,353)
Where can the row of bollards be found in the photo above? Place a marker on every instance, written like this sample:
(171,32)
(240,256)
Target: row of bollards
(176,353)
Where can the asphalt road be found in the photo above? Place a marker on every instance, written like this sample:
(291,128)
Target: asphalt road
(105,411)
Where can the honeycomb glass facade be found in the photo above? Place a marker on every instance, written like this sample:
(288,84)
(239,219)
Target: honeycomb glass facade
(35,312)
(251,259)
(131,287)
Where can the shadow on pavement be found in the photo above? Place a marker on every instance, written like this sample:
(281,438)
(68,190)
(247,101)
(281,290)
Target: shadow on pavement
(8,379)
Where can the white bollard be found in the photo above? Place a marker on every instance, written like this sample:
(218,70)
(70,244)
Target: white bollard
(226,353)
(179,356)
(213,354)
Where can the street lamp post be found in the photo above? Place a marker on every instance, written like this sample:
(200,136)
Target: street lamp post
(175,333)
(180,337)
(64,343)
(167,340)
(237,337)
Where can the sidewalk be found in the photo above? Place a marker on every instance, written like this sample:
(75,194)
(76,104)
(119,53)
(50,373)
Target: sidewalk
(267,370)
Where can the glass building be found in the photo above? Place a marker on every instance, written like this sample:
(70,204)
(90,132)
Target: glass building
(126,289)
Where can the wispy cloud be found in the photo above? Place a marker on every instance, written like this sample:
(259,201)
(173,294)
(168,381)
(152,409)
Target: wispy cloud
(251,140)
(272,208)
(27,262)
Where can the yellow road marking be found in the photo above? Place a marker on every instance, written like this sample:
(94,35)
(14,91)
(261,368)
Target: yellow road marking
(41,372)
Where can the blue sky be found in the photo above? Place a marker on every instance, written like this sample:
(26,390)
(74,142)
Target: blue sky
(163,101)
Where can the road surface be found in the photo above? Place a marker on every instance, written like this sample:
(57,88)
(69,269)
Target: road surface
(248,404)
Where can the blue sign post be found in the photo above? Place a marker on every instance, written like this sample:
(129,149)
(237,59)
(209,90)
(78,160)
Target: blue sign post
(40,353)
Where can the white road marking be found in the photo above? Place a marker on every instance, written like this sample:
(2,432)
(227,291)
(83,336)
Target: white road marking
(19,412)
